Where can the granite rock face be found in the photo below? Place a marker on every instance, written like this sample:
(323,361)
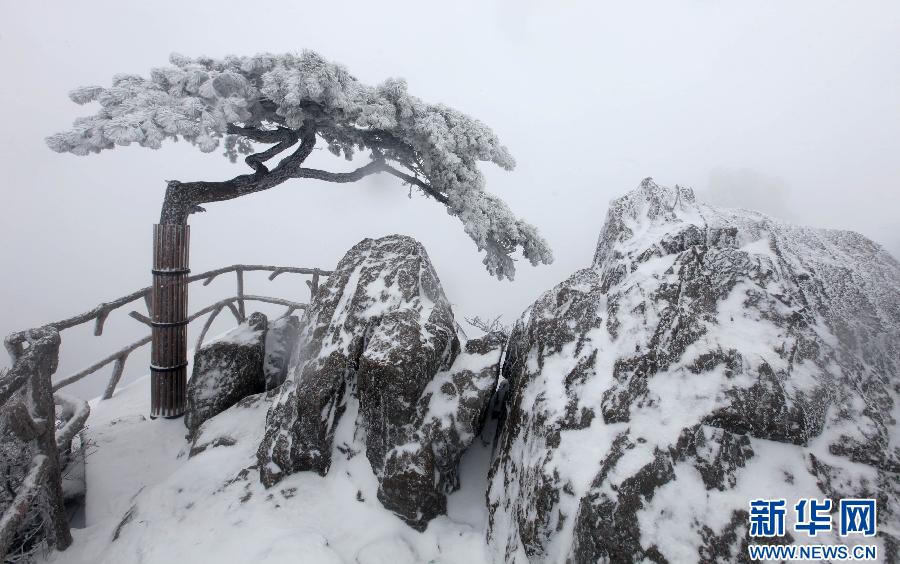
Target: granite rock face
(226,371)
(707,357)
(378,350)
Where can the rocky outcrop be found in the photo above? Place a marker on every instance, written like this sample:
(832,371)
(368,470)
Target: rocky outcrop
(706,358)
(226,371)
(380,359)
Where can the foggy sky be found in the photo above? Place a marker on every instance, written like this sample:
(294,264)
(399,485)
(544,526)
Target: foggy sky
(792,108)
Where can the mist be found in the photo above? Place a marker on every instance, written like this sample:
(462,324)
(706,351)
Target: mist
(788,108)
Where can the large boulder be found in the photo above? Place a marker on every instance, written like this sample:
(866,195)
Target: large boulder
(379,355)
(226,371)
(707,357)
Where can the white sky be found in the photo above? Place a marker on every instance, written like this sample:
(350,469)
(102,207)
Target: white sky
(792,108)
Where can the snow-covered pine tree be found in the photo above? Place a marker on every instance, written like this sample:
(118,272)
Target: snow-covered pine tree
(291,102)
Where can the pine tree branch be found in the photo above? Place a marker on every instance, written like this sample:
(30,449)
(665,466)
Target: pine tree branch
(185,198)
(418,183)
(283,137)
(373,167)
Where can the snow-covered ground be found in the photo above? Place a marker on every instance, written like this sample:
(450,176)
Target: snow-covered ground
(147,501)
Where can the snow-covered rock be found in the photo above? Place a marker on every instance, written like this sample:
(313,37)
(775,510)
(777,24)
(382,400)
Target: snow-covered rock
(228,430)
(378,346)
(226,371)
(707,357)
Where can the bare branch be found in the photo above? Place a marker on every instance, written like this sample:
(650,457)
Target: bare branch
(488,325)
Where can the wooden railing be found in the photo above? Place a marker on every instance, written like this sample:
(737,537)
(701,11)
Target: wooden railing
(235,304)
(28,395)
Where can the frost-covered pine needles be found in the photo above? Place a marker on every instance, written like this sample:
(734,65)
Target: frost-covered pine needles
(291,101)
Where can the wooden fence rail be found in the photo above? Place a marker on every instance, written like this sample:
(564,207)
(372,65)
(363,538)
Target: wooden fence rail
(100,313)
(27,392)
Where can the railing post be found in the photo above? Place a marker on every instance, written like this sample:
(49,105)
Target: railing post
(313,285)
(37,364)
(240,293)
(169,297)
(118,368)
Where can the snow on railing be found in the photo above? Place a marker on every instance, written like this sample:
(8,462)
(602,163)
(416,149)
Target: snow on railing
(27,392)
